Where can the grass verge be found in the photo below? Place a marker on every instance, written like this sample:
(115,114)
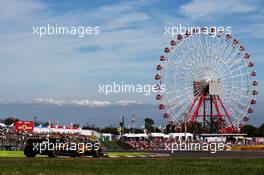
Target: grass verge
(130,166)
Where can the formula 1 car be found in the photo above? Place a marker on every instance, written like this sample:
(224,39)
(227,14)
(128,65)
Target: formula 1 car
(56,145)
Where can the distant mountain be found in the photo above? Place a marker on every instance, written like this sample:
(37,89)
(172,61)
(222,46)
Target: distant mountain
(100,116)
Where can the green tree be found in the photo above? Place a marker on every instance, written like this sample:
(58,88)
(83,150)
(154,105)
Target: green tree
(170,128)
(261,130)
(10,120)
(194,128)
(250,130)
(91,127)
(110,129)
(149,124)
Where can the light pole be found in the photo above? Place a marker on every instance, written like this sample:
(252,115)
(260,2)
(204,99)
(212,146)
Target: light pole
(185,130)
(35,119)
(185,126)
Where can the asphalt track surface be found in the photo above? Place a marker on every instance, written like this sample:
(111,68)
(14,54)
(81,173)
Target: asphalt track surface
(205,154)
(220,154)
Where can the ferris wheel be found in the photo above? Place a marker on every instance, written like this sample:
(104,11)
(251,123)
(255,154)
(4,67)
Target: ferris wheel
(209,79)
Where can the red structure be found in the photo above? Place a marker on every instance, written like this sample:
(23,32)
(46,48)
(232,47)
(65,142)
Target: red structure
(22,126)
(208,105)
(217,113)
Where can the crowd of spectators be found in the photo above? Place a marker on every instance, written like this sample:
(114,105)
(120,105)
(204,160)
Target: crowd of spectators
(12,140)
(145,144)
(161,143)
(157,143)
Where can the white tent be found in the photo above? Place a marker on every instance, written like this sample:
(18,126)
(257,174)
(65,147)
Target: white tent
(106,136)
(181,135)
(89,133)
(136,135)
(41,130)
(69,131)
(2,125)
(156,134)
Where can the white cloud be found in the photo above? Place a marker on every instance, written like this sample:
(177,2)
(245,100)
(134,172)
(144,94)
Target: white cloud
(125,6)
(128,20)
(51,101)
(128,102)
(86,102)
(43,61)
(91,103)
(47,60)
(254,30)
(212,8)
(17,10)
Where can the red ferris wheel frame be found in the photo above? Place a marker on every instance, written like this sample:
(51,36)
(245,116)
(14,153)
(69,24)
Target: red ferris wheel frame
(199,107)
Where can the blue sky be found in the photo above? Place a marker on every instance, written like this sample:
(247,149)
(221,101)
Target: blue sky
(61,69)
